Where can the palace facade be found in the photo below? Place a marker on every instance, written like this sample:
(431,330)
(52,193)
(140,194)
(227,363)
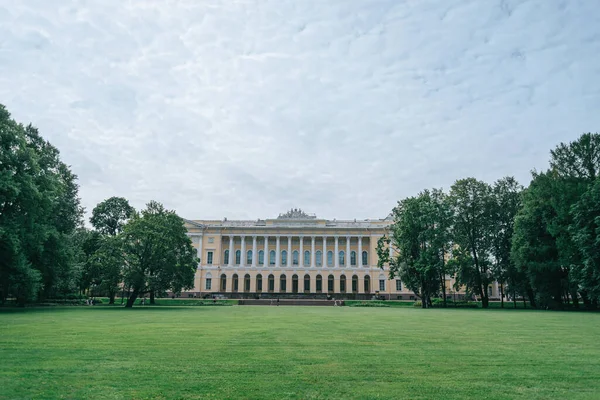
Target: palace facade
(293,255)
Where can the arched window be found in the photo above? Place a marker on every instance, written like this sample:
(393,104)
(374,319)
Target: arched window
(319,287)
(249,257)
(342,257)
(234,281)
(226,257)
(295,283)
(307,283)
(284,257)
(247,283)
(271,283)
(258,283)
(352,257)
(261,257)
(295,257)
(343,284)
(282,284)
(330,282)
(223,283)
(272,257)
(330,258)
(306,258)
(365,258)
(367,284)
(238,257)
(354,284)
(208,279)
(319,260)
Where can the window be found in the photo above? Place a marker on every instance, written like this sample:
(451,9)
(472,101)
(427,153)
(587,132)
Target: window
(234,279)
(398,285)
(295,283)
(247,283)
(306,283)
(211,240)
(272,257)
(284,257)
(271,283)
(261,257)
(208,283)
(330,281)
(352,257)
(330,258)
(223,283)
(282,284)
(367,284)
(259,283)
(319,284)
(249,257)
(342,284)
(382,285)
(226,257)
(319,260)
(365,258)
(306,258)
(209,256)
(342,258)
(295,257)
(354,284)
(238,257)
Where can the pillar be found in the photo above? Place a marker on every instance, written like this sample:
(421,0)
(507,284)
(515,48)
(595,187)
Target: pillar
(243,252)
(348,263)
(231,255)
(200,251)
(289,251)
(301,257)
(277,251)
(359,255)
(313,255)
(324,255)
(254,255)
(336,256)
(266,252)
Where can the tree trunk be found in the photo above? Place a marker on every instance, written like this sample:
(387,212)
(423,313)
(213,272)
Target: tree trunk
(501,295)
(132,298)
(485,301)
(531,297)
(111,297)
(444,288)
(152,297)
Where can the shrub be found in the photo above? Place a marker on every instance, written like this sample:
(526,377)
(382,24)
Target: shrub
(418,304)
(368,304)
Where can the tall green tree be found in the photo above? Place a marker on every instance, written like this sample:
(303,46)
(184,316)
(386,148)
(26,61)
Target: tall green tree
(420,236)
(110,216)
(107,263)
(472,204)
(159,254)
(506,202)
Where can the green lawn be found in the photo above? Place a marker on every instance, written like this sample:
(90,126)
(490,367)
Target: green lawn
(298,352)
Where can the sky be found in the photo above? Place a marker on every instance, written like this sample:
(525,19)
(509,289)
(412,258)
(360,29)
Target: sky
(244,109)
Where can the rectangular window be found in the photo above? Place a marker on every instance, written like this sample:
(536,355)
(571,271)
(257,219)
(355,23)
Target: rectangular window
(398,285)
(209,257)
(259,285)
(271,284)
(382,285)
(330,285)
(208,283)
(319,286)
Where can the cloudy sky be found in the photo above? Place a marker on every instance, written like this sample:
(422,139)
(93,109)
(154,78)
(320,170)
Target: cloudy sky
(243,109)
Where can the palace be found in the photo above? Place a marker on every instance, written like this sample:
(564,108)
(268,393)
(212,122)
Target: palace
(293,255)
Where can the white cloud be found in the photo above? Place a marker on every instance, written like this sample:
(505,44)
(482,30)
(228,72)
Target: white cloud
(245,109)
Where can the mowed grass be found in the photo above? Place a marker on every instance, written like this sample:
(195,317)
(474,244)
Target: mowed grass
(263,352)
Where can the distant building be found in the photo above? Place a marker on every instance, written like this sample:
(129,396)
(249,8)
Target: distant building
(293,255)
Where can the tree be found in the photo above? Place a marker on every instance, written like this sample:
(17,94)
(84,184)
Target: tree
(471,202)
(39,210)
(586,235)
(506,203)
(109,216)
(107,262)
(420,235)
(159,254)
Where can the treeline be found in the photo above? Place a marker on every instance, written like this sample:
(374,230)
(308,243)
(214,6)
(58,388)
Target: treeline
(541,243)
(47,253)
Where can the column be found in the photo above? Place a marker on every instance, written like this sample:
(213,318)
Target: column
(348,263)
(361,283)
(243,252)
(313,256)
(276,286)
(301,258)
(336,257)
(324,255)
(254,255)
(230,251)
(200,251)
(266,250)
(391,249)
(289,251)
(277,251)
(359,255)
